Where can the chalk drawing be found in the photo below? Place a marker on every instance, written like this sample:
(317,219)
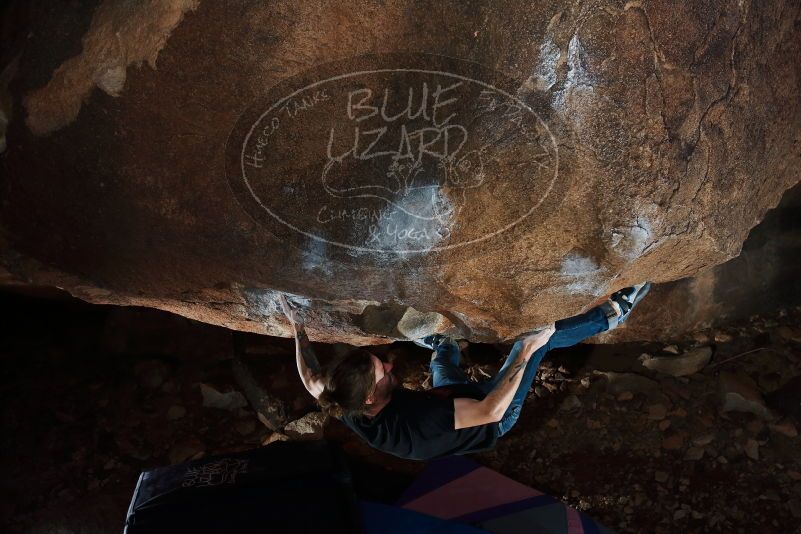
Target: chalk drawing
(217,473)
(393,160)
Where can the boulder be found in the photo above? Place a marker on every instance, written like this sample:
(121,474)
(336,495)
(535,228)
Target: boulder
(393,174)
(732,291)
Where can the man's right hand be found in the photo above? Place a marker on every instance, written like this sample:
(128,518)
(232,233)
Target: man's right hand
(470,412)
(538,339)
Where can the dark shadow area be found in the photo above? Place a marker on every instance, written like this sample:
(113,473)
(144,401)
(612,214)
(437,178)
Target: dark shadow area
(92,395)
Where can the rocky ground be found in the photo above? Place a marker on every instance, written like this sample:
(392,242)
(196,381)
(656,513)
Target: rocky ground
(699,435)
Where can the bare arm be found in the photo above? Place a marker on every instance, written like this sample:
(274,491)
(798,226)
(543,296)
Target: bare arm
(308,366)
(471,412)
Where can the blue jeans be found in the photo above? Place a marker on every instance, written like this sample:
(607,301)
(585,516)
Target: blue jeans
(445,369)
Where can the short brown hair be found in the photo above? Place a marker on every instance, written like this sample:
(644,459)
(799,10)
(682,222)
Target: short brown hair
(350,382)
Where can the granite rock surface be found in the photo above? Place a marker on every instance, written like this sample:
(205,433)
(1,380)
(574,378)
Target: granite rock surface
(396,168)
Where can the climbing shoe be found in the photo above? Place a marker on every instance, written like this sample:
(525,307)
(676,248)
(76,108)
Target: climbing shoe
(619,306)
(430,342)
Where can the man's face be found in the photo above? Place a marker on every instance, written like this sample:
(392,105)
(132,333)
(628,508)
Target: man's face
(385,381)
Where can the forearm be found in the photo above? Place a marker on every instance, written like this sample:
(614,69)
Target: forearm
(501,396)
(470,412)
(306,359)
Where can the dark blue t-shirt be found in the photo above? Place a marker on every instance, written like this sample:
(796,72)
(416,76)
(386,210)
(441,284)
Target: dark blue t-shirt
(419,425)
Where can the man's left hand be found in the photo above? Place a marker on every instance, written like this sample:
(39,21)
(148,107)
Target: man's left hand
(289,311)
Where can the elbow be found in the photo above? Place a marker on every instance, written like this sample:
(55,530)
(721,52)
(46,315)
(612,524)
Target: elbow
(494,414)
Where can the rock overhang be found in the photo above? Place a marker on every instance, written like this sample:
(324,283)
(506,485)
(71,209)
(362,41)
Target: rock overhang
(661,154)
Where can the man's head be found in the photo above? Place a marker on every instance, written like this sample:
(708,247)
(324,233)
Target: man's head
(357,383)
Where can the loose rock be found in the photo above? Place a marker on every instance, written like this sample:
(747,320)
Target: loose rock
(789,334)
(231,401)
(625,396)
(700,337)
(795,508)
(686,364)
(151,373)
(176,412)
(657,412)
(673,442)
(723,337)
(245,426)
(784,427)
(571,404)
(703,440)
(756,426)
(632,382)
(740,394)
(309,427)
(694,453)
(273,437)
(190,449)
(752,449)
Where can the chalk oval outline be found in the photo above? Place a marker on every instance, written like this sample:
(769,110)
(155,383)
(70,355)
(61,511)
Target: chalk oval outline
(405,251)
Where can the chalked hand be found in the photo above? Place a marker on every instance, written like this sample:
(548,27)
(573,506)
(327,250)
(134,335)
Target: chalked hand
(539,337)
(288,310)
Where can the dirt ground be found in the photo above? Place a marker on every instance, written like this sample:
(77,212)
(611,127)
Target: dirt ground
(93,395)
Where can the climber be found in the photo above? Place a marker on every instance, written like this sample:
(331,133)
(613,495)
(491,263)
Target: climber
(456,416)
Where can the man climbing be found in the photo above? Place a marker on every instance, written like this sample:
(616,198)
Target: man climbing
(456,416)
